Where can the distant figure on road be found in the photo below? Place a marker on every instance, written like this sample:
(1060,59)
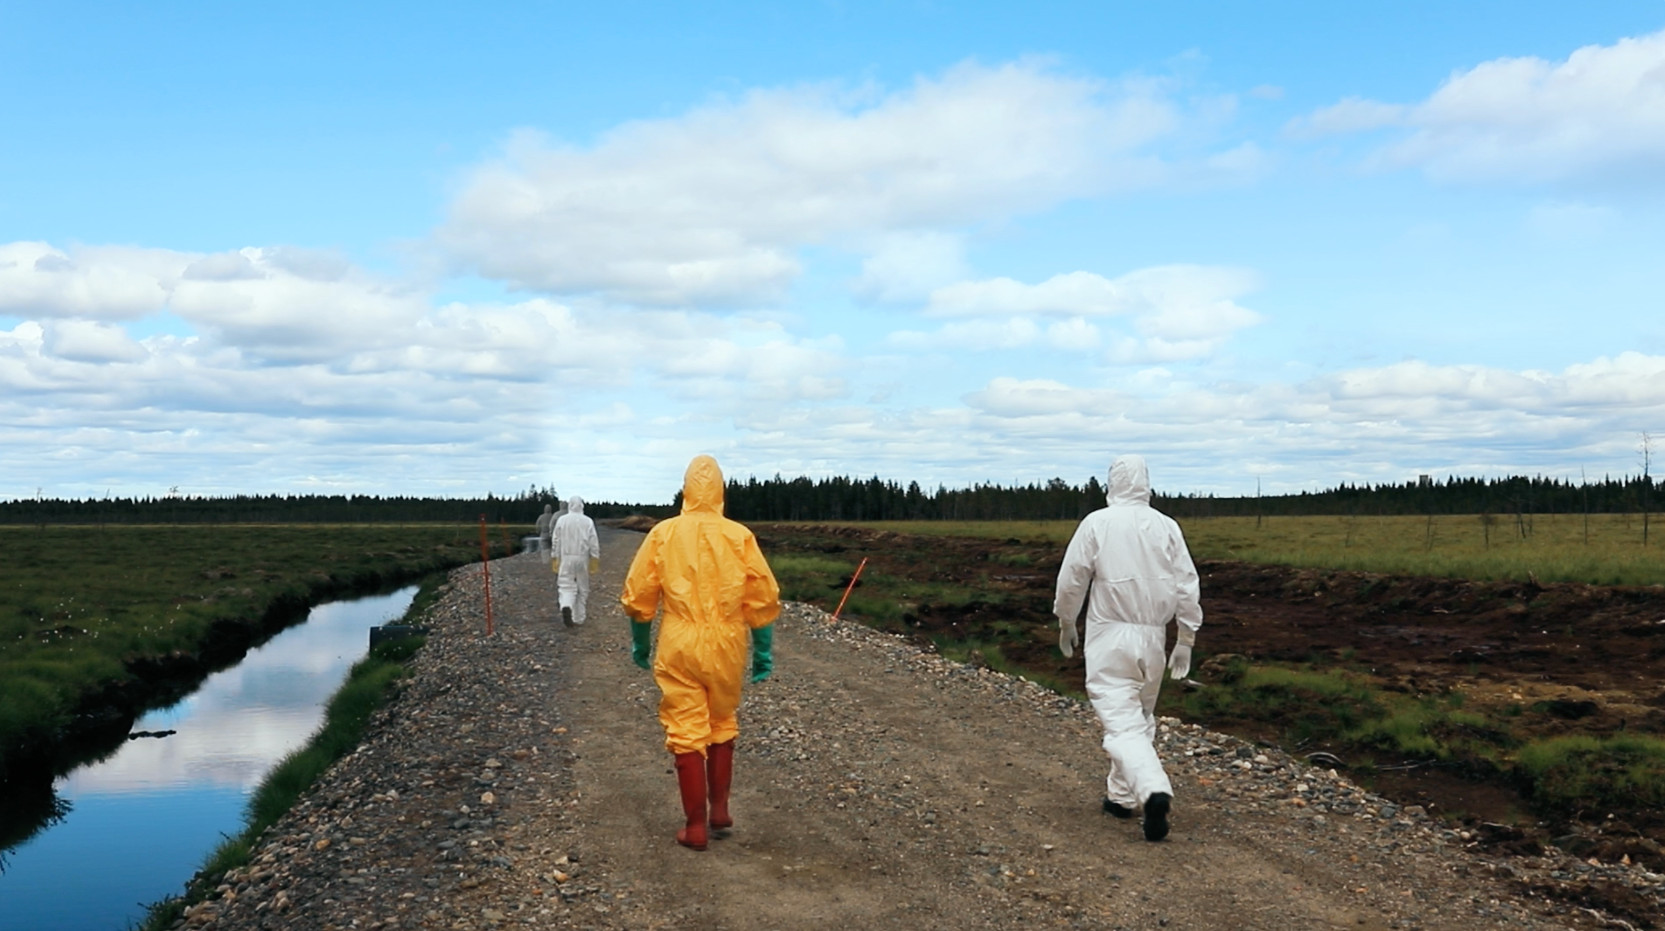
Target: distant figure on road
(710,577)
(546,526)
(1129,563)
(577,554)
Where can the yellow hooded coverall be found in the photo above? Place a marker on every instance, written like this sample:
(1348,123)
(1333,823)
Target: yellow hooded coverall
(716,587)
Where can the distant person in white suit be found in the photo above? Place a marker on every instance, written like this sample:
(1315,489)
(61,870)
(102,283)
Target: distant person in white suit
(577,554)
(1128,562)
(546,530)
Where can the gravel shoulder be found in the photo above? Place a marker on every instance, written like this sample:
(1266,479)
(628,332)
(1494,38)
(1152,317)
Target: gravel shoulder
(520,780)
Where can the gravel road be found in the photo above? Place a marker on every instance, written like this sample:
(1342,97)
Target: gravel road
(520,780)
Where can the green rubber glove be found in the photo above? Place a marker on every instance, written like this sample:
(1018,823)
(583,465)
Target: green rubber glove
(641,641)
(763,652)
(595,565)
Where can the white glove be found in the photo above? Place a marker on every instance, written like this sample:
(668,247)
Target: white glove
(1067,637)
(1179,661)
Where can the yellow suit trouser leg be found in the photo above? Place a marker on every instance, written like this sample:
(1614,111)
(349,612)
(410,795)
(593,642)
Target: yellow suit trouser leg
(694,712)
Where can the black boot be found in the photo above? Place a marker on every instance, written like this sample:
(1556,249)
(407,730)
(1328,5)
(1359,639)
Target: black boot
(1156,815)
(1120,811)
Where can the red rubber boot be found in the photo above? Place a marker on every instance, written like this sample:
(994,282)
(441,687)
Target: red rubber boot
(719,772)
(690,778)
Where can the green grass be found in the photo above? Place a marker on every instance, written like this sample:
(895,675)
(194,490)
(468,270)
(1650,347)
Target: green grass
(1553,547)
(805,577)
(1347,712)
(1549,547)
(1340,708)
(370,683)
(880,600)
(1306,706)
(78,605)
(1582,772)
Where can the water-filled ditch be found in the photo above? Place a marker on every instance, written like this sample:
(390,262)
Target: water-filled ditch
(140,822)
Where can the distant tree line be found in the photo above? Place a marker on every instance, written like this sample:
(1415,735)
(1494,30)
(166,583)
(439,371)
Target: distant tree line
(1513,495)
(842,498)
(852,499)
(522,508)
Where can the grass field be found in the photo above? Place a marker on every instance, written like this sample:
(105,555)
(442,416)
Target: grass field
(1606,549)
(79,605)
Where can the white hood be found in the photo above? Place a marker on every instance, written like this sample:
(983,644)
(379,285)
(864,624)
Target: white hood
(1129,481)
(575,505)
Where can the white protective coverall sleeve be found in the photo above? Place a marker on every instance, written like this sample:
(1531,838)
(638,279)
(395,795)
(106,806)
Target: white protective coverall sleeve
(1128,564)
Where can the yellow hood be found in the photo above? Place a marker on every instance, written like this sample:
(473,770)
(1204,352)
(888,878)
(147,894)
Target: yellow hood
(702,487)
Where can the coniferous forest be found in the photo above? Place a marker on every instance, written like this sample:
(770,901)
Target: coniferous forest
(850,499)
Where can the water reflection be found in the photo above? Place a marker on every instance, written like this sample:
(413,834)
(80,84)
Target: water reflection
(141,821)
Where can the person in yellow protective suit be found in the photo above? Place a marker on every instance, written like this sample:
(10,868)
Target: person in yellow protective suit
(708,574)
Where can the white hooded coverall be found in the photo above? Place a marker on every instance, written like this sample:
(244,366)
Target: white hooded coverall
(546,528)
(575,545)
(1129,563)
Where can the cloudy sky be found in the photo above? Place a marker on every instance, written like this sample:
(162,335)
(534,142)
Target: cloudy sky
(452,249)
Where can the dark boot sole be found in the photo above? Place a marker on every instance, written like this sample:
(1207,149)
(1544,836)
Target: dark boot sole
(1119,811)
(566,616)
(1156,816)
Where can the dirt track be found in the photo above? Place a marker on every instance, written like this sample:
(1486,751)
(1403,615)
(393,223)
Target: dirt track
(875,786)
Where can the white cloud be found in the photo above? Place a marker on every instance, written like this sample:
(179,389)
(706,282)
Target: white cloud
(1074,294)
(908,266)
(711,207)
(90,341)
(1375,424)
(107,283)
(307,373)
(989,335)
(1177,311)
(272,304)
(294,306)
(1350,115)
(1075,333)
(1602,110)
(223,266)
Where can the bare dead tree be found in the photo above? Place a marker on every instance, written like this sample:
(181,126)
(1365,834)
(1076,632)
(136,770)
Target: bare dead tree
(1647,482)
(1584,485)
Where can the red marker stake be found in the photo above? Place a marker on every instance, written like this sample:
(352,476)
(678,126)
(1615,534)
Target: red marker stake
(853,577)
(485,568)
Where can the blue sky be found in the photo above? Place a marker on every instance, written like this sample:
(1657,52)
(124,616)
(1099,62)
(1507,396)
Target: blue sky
(414,249)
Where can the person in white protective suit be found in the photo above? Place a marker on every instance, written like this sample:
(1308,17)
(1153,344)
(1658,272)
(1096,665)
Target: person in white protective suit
(546,530)
(577,554)
(1129,564)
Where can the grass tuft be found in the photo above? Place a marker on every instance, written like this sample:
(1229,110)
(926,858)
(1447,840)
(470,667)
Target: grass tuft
(1579,772)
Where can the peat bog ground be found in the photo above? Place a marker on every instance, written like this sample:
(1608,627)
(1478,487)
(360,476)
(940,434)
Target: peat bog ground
(1432,691)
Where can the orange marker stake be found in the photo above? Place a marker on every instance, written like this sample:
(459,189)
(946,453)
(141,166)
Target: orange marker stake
(853,577)
(485,568)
